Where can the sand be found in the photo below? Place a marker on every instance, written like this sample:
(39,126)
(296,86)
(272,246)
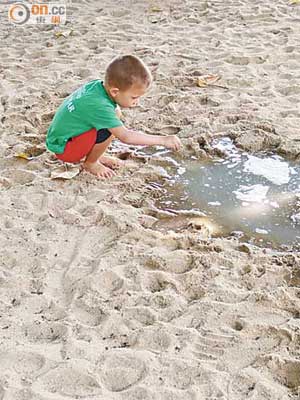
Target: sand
(96,303)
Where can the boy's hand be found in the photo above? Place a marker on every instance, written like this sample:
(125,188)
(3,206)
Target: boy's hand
(172,142)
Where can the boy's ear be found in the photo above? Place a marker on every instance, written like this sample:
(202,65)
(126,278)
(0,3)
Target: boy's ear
(114,92)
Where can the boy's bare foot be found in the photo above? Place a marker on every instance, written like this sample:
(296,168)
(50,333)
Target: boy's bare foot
(98,169)
(111,162)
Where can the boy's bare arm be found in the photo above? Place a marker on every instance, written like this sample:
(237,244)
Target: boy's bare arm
(118,112)
(138,138)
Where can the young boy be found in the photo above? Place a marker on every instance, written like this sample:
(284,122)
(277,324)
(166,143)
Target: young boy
(87,121)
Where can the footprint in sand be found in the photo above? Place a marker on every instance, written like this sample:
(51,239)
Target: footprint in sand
(45,332)
(169,130)
(18,176)
(181,374)
(71,380)
(121,369)
(83,73)
(141,393)
(192,286)
(154,339)
(210,346)
(189,394)
(289,90)
(23,394)
(208,101)
(28,365)
(286,370)
(138,317)
(177,261)
(86,313)
(43,62)
(159,281)
(106,283)
(292,277)
(242,386)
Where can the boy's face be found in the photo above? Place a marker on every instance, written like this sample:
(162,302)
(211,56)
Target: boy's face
(130,97)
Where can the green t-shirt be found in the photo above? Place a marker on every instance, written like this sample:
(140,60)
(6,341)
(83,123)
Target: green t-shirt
(88,107)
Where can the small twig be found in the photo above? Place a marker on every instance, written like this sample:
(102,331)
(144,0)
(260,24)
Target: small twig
(220,86)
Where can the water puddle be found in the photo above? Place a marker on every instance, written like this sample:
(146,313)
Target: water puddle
(255,197)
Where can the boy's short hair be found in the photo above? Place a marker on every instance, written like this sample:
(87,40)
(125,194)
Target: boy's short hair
(125,71)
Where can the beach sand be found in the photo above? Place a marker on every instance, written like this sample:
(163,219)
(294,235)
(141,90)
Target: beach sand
(95,304)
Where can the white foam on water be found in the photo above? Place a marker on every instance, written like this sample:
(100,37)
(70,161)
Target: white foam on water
(261,231)
(273,169)
(245,204)
(274,204)
(254,193)
(226,145)
(230,166)
(214,203)
(296,218)
(181,170)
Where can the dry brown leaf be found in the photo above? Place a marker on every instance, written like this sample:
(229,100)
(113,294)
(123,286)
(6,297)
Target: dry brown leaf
(30,153)
(24,156)
(206,80)
(64,33)
(65,173)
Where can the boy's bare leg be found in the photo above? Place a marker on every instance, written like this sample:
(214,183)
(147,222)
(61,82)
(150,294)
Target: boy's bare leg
(92,163)
(111,162)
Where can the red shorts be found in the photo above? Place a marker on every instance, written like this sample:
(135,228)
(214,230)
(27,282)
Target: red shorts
(79,146)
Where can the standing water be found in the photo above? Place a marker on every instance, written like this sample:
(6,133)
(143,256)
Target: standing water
(256,197)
